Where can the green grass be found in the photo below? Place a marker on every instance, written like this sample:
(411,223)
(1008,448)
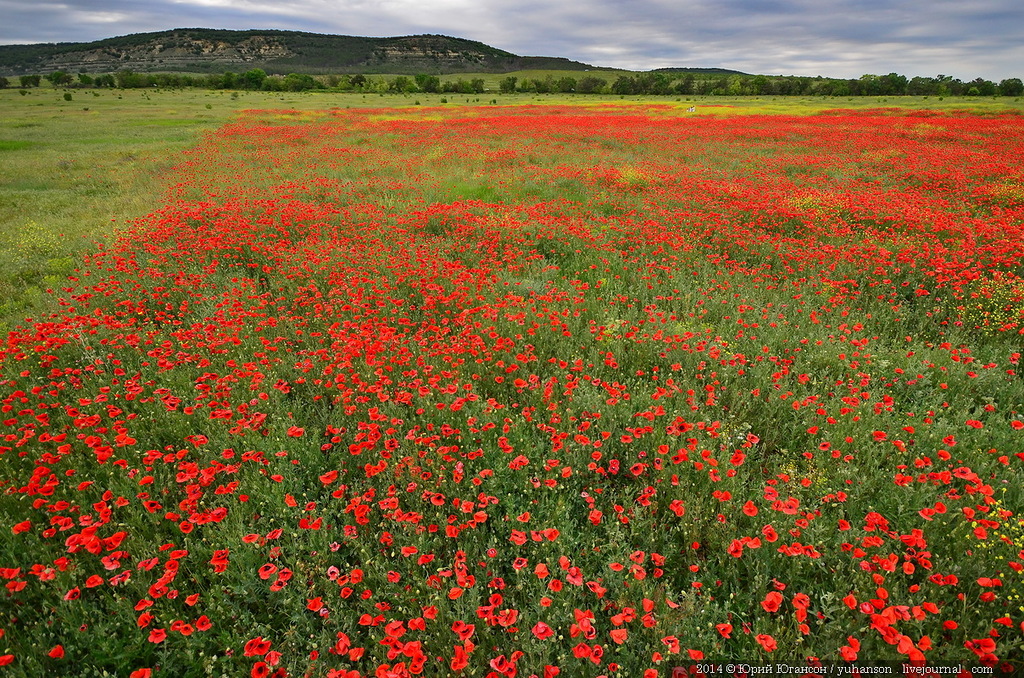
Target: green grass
(6,145)
(74,171)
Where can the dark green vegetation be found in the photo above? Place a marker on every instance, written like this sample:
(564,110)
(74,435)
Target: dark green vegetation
(209,50)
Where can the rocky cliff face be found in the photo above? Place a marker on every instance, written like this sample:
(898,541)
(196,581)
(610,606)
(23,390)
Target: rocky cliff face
(179,53)
(439,54)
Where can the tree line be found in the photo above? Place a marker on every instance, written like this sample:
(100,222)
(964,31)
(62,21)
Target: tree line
(255,79)
(648,83)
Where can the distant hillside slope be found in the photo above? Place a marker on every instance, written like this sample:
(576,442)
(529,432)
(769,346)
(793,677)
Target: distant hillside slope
(674,70)
(209,50)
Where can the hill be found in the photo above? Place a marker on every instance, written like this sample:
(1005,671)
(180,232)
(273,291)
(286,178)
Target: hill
(211,50)
(676,70)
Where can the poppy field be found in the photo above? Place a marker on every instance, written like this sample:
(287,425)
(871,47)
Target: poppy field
(587,390)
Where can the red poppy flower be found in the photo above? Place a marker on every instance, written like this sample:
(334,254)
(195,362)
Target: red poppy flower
(772,601)
(542,631)
(256,647)
(767,642)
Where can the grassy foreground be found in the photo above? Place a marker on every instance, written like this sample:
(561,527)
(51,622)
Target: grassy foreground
(597,389)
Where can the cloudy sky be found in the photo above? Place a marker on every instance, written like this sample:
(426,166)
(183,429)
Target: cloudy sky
(835,38)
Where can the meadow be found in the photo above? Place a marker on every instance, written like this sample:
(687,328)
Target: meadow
(354,385)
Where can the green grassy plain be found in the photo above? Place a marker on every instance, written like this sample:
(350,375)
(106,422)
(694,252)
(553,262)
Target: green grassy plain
(74,171)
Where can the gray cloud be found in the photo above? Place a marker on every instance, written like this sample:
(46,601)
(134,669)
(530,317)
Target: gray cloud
(835,38)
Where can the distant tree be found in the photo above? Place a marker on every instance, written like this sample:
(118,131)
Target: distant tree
(684,85)
(869,85)
(378,85)
(760,85)
(401,84)
(526,86)
(827,87)
(1011,87)
(130,79)
(624,84)
(892,84)
(786,86)
(273,83)
(4,82)
(818,86)
(853,87)
(105,80)
(949,86)
(719,86)
(703,85)
(590,85)
(226,80)
(59,78)
(781,85)
(29,80)
(922,86)
(299,82)
(565,85)
(428,83)
(253,79)
(544,86)
(652,83)
(737,85)
(982,87)
(171,80)
(85,80)
(460,86)
(507,85)
(358,81)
